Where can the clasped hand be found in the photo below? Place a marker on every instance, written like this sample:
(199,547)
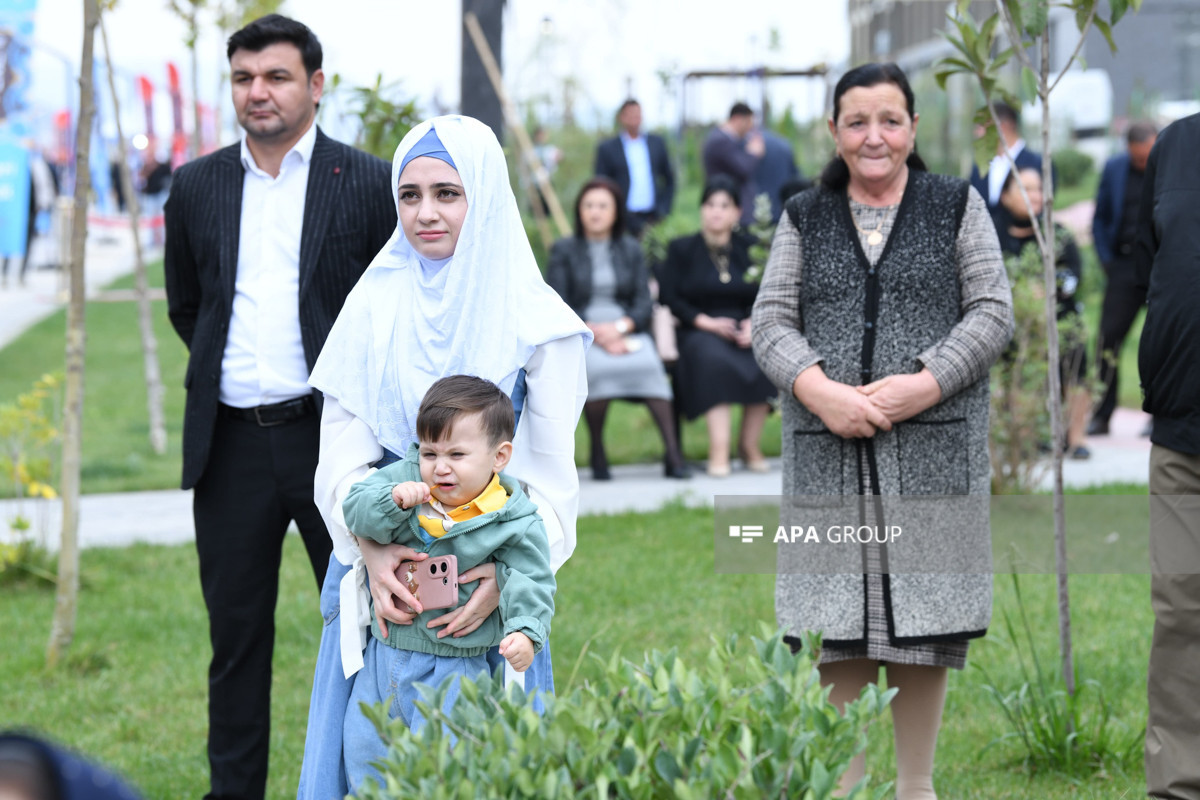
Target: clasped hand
(726,327)
(857,412)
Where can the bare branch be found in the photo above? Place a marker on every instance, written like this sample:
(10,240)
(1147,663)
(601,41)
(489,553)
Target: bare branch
(1078,47)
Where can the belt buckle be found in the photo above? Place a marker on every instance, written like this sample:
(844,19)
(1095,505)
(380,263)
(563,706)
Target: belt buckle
(258,418)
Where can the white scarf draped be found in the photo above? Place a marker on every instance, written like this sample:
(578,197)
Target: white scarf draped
(482,312)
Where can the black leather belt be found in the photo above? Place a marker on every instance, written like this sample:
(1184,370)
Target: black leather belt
(273,414)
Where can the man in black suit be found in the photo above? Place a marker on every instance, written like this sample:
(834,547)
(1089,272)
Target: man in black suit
(263,242)
(990,184)
(641,166)
(1114,230)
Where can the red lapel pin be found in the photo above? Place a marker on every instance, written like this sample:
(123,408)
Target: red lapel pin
(337,170)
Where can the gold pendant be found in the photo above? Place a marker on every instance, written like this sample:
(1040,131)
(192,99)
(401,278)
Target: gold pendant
(874,238)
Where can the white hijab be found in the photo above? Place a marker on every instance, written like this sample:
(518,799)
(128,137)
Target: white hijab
(482,312)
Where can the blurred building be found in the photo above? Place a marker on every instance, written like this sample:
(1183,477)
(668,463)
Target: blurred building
(1158,56)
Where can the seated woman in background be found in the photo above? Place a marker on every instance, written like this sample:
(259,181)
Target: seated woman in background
(703,281)
(1016,232)
(602,276)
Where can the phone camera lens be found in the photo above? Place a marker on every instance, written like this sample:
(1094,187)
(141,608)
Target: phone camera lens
(444,567)
(445,581)
(433,569)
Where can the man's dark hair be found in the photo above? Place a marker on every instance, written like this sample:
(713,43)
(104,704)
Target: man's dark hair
(1006,113)
(628,102)
(273,29)
(456,396)
(1140,132)
(740,109)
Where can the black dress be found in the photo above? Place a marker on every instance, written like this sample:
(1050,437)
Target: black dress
(711,370)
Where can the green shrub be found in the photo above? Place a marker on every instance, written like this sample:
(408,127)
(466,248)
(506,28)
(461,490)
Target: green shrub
(746,724)
(1073,166)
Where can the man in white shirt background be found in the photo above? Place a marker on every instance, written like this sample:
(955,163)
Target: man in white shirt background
(641,166)
(264,240)
(989,185)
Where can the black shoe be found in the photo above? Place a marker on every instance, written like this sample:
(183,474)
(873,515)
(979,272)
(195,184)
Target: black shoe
(600,470)
(1097,427)
(1079,453)
(677,471)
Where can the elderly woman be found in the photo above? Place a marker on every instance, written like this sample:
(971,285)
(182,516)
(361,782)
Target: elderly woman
(704,282)
(455,291)
(883,305)
(601,274)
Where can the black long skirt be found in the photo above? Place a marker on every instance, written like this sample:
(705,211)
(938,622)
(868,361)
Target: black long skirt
(712,371)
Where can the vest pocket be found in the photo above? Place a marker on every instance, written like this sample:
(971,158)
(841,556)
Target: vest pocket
(818,466)
(933,457)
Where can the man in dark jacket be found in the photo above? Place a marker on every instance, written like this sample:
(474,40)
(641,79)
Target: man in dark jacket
(1114,227)
(641,166)
(734,148)
(1167,259)
(264,240)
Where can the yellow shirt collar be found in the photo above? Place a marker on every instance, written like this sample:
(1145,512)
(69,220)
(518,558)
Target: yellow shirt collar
(492,498)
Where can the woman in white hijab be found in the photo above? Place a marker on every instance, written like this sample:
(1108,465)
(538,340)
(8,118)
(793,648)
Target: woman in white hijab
(455,291)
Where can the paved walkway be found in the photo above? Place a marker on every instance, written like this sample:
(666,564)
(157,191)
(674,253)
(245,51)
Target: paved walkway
(164,517)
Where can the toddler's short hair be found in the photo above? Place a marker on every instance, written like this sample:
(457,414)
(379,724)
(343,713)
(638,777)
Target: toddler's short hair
(456,396)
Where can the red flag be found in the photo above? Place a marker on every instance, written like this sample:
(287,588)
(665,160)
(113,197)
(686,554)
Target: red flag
(179,139)
(146,89)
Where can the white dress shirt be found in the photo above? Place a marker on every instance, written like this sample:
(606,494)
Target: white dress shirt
(641,176)
(543,460)
(998,172)
(264,355)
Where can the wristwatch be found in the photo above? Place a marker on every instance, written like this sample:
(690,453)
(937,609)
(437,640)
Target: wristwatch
(623,327)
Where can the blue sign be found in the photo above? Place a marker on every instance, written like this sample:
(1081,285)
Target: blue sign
(15,187)
(16,31)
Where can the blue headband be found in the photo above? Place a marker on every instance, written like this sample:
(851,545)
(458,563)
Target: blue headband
(428,145)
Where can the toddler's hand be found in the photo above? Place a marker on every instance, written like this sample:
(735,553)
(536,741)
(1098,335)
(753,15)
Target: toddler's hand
(410,493)
(518,649)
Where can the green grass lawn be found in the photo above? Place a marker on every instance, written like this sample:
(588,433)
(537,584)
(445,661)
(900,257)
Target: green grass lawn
(116,440)
(134,692)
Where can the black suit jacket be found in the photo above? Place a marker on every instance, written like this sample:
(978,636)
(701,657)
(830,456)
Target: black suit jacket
(570,274)
(348,217)
(610,162)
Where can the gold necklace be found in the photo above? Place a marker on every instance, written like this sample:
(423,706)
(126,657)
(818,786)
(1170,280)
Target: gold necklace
(720,259)
(875,237)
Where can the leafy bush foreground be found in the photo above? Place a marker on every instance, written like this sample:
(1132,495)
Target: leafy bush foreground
(748,723)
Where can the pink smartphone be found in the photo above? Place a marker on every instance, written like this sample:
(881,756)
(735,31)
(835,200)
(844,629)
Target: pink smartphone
(433,581)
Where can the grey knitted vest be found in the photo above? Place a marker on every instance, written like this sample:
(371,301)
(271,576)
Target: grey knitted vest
(869,322)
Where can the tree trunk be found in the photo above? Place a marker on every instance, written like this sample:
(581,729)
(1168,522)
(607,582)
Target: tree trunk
(1057,433)
(154,387)
(196,122)
(62,629)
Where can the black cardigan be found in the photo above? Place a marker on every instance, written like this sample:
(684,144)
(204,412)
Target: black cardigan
(1167,255)
(570,274)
